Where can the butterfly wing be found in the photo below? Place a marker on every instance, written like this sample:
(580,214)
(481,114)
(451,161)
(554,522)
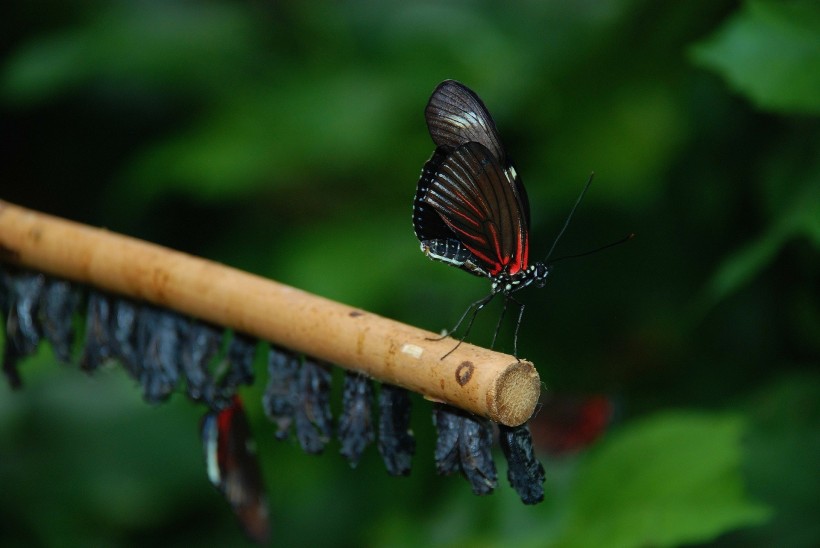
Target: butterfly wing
(476,198)
(438,240)
(234,469)
(456,115)
(480,185)
(427,223)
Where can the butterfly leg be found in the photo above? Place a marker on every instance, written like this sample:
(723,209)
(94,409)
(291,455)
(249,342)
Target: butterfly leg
(507,299)
(517,325)
(475,307)
(500,319)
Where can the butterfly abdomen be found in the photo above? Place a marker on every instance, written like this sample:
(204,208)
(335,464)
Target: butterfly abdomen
(452,252)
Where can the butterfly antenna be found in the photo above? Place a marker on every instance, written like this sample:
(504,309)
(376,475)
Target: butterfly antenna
(569,217)
(597,249)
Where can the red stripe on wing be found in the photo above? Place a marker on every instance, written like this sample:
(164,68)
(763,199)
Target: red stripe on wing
(477,200)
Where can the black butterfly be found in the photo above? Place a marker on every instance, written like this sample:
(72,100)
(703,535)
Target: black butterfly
(471,209)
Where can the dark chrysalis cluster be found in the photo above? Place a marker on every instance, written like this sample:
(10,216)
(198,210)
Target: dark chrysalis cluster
(396,442)
(165,352)
(524,472)
(20,299)
(297,400)
(159,349)
(464,445)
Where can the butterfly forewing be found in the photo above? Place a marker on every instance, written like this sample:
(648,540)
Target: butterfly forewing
(477,200)
(456,115)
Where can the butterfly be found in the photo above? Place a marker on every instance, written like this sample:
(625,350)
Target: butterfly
(232,466)
(471,209)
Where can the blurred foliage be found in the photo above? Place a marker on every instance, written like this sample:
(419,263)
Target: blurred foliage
(286,138)
(769,51)
(689,490)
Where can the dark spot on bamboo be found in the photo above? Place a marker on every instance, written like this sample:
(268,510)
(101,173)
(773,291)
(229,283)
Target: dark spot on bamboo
(464,373)
(356,314)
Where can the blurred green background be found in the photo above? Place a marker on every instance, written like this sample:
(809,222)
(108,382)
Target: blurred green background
(286,138)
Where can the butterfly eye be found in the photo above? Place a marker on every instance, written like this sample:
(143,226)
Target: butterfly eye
(541,273)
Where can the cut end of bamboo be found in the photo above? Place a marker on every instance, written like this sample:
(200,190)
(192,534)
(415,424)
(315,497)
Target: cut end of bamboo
(514,395)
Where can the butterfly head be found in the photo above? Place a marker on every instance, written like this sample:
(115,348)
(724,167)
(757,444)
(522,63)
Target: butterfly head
(540,271)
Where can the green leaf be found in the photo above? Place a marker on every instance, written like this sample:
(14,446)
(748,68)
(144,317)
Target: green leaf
(128,47)
(783,448)
(770,52)
(265,135)
(670,479)
(801,219)
(743,265)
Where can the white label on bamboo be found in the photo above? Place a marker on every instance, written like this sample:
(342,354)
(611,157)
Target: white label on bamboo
(412,350)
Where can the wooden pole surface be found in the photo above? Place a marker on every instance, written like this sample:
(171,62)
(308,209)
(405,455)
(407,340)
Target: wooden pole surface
(487,383)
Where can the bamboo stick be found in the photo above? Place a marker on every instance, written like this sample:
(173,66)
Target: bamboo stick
(487,383)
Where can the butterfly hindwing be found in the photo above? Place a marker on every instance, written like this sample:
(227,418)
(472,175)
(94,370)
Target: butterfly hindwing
(427,223)
(476,199)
